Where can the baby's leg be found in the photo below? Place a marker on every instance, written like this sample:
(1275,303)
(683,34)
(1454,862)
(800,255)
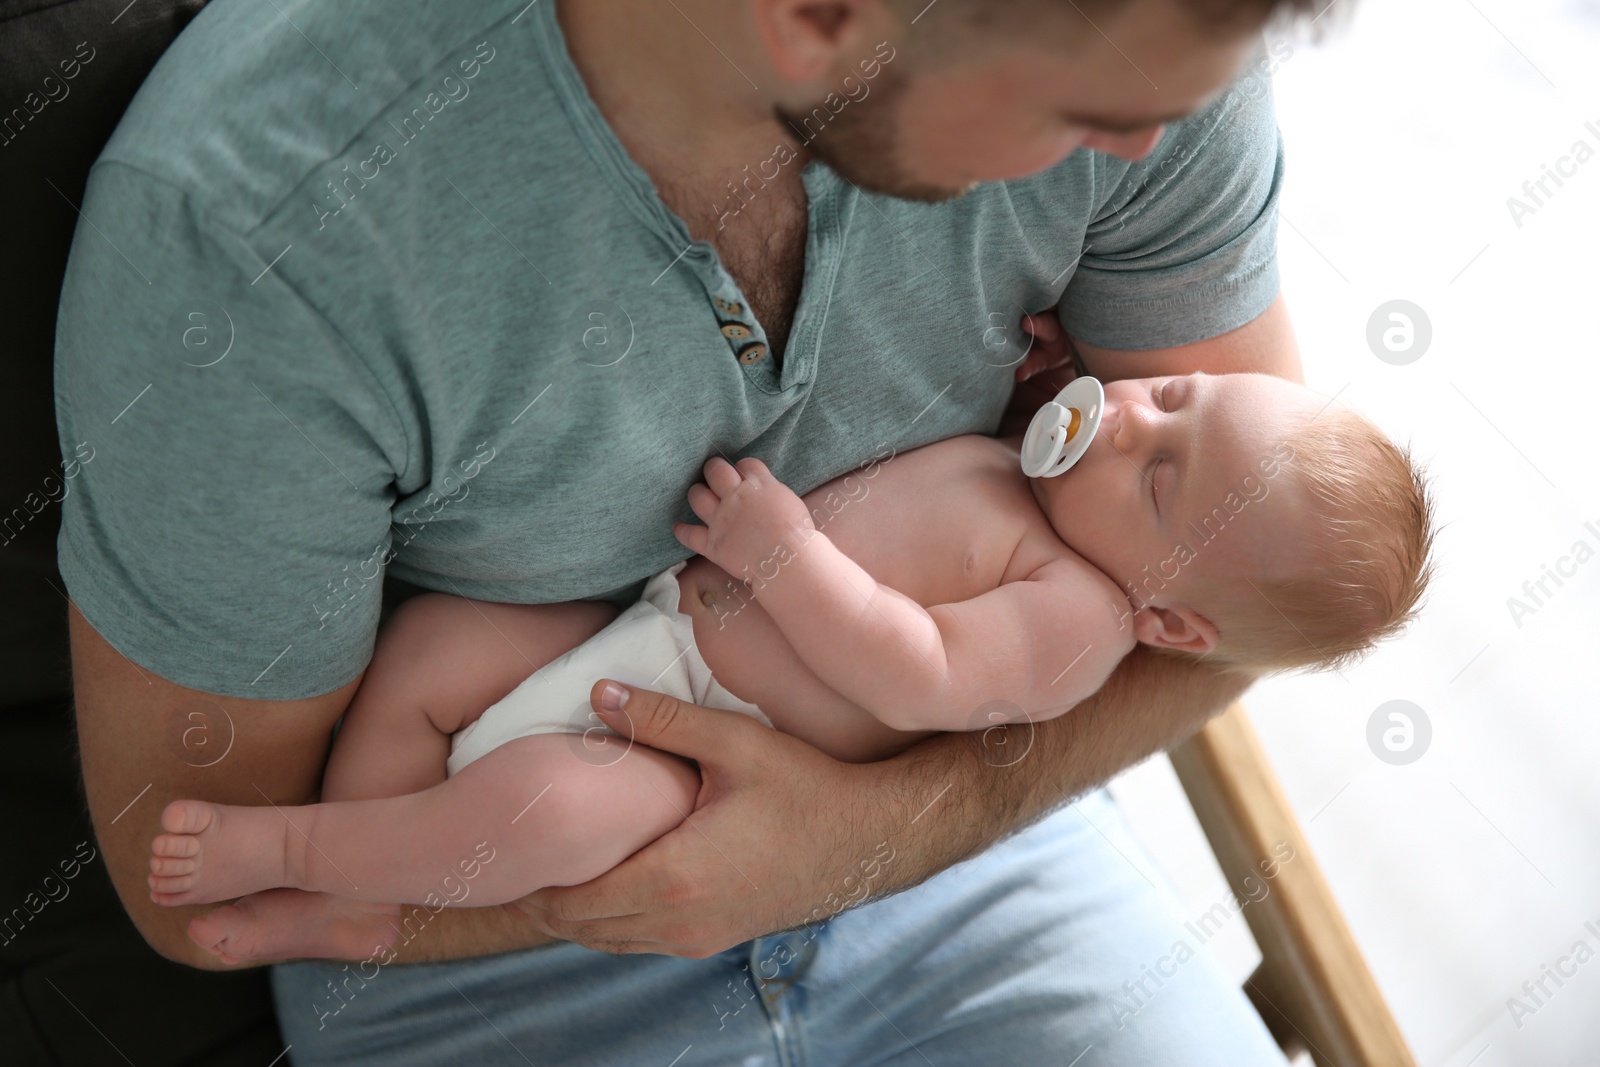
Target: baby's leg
(534,812)
(439,662)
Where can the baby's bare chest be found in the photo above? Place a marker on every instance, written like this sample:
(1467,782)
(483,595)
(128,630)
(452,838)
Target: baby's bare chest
(940,524)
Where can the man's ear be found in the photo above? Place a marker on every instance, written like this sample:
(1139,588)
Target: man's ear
(804,38)
(1183,629)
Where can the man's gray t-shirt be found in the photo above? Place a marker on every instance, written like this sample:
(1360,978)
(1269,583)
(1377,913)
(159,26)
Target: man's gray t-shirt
(380,289)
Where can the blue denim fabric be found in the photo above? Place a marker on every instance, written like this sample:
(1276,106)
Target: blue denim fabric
(1043,950)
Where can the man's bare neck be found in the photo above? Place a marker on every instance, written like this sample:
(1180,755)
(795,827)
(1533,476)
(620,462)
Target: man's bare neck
(698,131)
(683,117)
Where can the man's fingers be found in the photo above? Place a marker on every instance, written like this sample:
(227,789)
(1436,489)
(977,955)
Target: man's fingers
(617,934)
(565,910)
(599,934)
(1045,327)
(619,911)
(668,723)
(1042,358)
(1035,362)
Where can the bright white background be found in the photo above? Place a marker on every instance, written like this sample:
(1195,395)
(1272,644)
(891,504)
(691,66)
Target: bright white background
(1466,872)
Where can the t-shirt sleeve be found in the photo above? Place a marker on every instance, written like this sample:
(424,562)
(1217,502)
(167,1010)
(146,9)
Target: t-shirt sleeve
(1184,246)
(230,458)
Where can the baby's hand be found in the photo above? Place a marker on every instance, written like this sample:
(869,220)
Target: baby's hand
(1051,348)
(747,513)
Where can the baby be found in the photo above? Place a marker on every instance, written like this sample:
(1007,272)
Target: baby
(1233,518)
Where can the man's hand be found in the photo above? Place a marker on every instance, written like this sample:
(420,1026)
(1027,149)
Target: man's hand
(1266,345)
(1051,363)
(782,835)
(747,513)
(776,839)
(1051,349)
(779,827)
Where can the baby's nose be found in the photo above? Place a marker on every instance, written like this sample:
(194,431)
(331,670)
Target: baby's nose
(1112,424)
(1132,427)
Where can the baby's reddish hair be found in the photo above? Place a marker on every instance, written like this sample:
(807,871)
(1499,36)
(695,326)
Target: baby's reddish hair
(1362,582)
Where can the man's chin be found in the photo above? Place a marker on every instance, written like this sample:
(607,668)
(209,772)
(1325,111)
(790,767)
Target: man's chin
(904,189)
(935,194)
(879,174)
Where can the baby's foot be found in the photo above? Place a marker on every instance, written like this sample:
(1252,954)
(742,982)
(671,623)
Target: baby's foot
(285,924)
(216,852)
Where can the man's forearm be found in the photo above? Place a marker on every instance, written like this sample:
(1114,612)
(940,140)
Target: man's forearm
(941,801)
(426,937)
(977,790)
(422,935)
(461,933)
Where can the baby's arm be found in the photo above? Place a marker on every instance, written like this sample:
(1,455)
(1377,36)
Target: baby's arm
(1043,643)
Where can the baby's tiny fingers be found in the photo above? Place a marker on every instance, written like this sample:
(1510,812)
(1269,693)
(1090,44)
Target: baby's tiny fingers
(752,468)
(691,536)
(703,502)
(721,476)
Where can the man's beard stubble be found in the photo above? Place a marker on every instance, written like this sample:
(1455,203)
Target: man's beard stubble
(860,143)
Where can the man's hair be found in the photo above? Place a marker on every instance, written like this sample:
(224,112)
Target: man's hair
(1363,579)
(1219,17)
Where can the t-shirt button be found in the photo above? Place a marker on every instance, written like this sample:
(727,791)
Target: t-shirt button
(735,331)
(754,352)
(729,307)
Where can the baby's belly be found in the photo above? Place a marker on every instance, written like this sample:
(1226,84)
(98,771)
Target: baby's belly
(752,659)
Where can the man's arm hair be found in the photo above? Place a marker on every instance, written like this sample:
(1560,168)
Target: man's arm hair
(1152,702)
(145,741)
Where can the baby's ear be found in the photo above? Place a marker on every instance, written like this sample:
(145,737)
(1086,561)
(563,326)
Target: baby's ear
(1182,629)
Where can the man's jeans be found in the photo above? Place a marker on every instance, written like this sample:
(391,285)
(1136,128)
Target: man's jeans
(1049,948)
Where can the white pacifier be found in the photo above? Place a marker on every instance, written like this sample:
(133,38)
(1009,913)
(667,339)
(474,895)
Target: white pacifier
(1061,431)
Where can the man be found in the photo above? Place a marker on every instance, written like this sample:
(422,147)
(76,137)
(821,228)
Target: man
(467,296)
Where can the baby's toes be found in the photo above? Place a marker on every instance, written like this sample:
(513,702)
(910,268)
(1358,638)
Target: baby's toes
(174,846)
(187,816)
(169,865)
(170,890)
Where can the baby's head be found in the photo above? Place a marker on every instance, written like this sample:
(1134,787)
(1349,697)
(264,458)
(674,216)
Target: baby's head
(1249,520)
